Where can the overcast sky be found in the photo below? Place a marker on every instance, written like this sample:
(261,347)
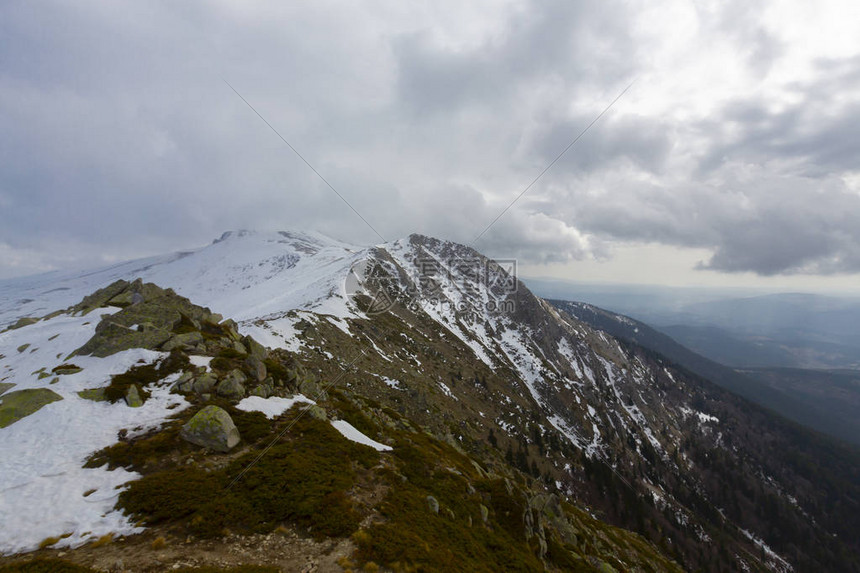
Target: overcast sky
(733,159)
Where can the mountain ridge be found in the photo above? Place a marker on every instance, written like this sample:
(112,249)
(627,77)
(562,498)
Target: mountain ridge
(464,351)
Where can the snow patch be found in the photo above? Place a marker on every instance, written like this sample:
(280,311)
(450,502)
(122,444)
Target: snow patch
(351,433)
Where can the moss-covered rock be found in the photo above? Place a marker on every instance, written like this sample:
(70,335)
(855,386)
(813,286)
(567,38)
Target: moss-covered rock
(205,383)
(262,390)
(211,428)
(255,349)
(94,394)
(133,397)
(5,386)
(22,403)
(148,321)
(255,367)
(232,386)
(185,341)
(66,369)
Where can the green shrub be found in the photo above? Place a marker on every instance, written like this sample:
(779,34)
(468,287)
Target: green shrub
(42,565)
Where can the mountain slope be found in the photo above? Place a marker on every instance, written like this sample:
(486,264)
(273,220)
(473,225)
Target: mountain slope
(462,350)
(769,388)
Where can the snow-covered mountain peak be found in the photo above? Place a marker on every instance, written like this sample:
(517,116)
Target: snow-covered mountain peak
(243,274)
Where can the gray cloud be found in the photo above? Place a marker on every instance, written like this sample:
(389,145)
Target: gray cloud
(119,138)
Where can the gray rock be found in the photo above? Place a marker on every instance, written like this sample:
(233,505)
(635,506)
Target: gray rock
(312,390)
(317,412)
(262,390)
(433,504)
(205,383)
(255,349)
(232,386)
(231,329)
(211,428)
(186,341)
(22,403)
(133,397)
(184,384)
(256,367)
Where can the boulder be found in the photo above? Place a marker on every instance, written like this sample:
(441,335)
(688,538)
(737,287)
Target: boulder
(256,368)
(205,383)
(432,504)
(255,349)
(184,384)
(186,341)
(22,403)
(94,394)
(312,390)
(262,390)
(133,397)
(231,329)
(317,412)
(232,386)
(211,428)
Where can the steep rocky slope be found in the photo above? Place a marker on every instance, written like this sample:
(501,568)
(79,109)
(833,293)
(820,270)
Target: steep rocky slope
(427,347)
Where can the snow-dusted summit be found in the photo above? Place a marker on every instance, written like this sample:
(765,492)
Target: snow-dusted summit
(243,275)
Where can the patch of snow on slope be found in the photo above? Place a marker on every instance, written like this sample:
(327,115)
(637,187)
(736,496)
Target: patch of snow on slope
(42,481)
(351,433)
(781,564)
(272,407)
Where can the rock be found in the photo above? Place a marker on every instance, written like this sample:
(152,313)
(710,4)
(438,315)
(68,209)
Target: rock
(5,386)
(231,329)
(255,349)
(262,390)
(232,386)
(205,383)
(312,390)
(94,394)
(66,369)
(239,348)
(100,298)
(112,337)
(186,341)
(485,513)
(22,403)
(433,504)
(155,309)
(133,397)
(211,428)
(256,368)
(122,300)
(317,412)
(185,383)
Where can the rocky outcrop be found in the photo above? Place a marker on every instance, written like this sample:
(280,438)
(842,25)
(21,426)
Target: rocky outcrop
(211,428)
(151,317)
